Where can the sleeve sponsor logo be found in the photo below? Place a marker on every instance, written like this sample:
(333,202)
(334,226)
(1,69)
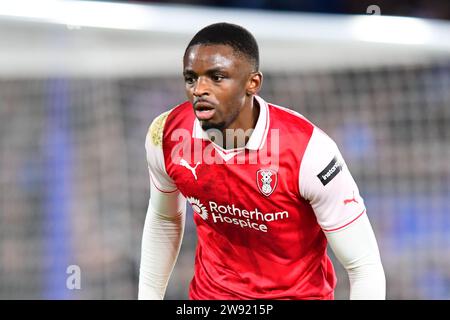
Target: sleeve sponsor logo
(157,127)
(331,171)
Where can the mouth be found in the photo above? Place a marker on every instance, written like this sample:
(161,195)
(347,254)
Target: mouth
(204,111)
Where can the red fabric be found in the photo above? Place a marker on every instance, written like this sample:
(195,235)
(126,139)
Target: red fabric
(235,257)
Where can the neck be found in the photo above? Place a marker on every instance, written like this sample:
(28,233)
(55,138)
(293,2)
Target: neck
(239,132)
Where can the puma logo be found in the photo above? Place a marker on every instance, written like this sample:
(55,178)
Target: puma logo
(347,201)
(187,166)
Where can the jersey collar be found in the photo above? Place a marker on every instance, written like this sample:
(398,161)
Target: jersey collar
(259,134)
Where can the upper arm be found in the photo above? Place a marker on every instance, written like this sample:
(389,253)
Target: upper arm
(326,182)
(155,156)
(165,198)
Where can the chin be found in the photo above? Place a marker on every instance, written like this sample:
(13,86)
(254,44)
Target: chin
(207,125)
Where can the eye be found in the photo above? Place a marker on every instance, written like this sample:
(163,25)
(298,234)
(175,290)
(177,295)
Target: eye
(189,79)
(218,77)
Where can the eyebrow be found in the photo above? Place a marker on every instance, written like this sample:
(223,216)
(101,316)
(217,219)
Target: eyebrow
(208,72)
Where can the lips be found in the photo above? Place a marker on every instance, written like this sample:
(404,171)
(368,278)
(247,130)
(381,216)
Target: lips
(204,110)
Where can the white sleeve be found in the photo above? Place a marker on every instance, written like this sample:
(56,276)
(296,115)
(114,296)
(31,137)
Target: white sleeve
(356,248)
(161,242)
(328,185)
(164,224)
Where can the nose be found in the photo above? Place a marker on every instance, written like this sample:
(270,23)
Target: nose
(201,87)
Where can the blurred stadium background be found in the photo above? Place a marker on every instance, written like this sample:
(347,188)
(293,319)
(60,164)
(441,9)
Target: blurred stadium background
(80,82)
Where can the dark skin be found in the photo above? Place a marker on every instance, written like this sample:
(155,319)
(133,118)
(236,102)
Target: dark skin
(221,84)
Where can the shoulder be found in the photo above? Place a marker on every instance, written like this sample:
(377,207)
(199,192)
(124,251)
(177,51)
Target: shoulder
(156,129)
(290,120)
(294,123)
(321,143)
(321,152)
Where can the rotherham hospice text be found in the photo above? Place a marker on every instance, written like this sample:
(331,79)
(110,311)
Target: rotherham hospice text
(234,215)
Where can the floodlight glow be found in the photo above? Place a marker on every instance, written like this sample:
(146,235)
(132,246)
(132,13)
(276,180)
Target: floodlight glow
(399,30)
(82,13)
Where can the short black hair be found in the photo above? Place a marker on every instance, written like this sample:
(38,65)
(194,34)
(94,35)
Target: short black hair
(237,37)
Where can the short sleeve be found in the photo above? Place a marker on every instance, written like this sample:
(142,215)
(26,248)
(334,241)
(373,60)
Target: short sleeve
(155,156)
(326,182)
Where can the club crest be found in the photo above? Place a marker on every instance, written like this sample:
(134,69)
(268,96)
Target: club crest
(266,179)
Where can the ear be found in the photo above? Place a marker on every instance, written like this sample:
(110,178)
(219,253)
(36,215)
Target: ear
(254,83)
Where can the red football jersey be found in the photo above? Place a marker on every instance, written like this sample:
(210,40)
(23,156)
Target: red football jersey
(261,211)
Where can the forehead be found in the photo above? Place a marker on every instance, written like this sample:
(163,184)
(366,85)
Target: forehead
(200,57)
